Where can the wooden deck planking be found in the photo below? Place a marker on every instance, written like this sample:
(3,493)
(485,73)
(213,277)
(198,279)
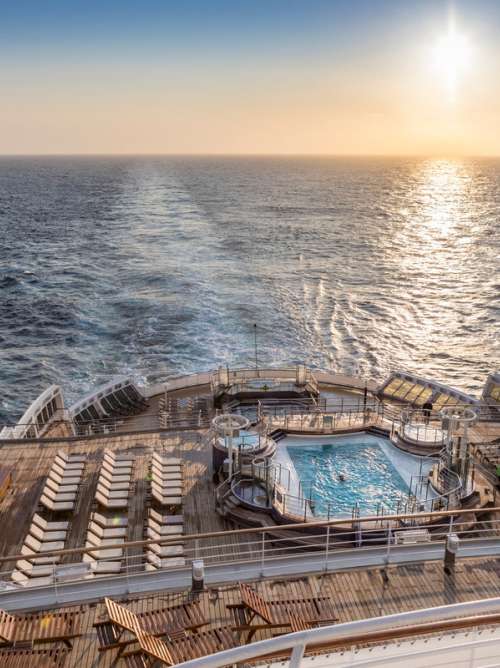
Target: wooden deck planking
(355,595)
(32,464)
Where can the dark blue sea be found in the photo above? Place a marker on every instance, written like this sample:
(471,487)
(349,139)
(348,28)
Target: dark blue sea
(161,266)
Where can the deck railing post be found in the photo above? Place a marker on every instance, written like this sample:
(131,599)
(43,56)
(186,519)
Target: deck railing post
(197,549)
(327,548)
(263,553)
(297,656)
(389,541)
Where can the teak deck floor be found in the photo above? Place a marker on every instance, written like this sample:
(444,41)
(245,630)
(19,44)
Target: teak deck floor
(355,595)
(31,464)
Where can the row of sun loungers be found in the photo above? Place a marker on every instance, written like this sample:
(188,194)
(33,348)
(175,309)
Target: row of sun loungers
(103,531)
(167,480)
(43,536)
(115,481)
(160,526)
(63,481)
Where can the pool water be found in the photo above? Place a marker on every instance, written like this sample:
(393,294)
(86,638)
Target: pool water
(345,473)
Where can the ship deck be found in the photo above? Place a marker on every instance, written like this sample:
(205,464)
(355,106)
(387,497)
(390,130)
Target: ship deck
(354,594)
(31,465)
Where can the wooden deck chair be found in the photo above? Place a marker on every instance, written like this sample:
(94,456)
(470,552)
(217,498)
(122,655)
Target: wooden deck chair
(185,647)
(168,620)
(39,628)
(37,557)
(154,562)
(27,658)
(275,614)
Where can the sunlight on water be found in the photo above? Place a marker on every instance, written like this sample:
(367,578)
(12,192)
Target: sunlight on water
(161,266)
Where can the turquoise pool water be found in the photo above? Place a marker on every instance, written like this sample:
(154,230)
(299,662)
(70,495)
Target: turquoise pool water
(343,473)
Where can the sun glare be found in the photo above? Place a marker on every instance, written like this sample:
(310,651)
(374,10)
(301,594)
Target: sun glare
(452,57)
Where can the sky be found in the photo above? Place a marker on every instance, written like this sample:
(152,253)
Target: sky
(346,77)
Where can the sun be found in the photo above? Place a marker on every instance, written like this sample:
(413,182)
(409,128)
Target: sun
(452,57)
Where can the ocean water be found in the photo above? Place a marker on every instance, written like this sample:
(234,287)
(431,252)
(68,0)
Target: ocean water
(161,266)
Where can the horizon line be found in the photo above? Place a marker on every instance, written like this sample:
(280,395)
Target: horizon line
(435,156)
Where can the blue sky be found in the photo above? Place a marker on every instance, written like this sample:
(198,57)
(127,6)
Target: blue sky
(164,51)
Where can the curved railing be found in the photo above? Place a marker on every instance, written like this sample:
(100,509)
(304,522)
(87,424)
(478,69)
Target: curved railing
(293,646)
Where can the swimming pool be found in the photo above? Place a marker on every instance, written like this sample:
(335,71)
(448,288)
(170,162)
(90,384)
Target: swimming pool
(340,472)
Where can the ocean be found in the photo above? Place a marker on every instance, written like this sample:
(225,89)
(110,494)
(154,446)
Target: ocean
(158,266)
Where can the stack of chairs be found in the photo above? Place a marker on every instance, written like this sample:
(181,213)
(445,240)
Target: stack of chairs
(25,630)
(115,481)
(63,481)
(166,480)
(104,531)
(160,526)
(42,537)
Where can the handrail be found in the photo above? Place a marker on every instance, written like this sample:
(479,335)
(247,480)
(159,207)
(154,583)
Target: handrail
(416,622)
(252,530)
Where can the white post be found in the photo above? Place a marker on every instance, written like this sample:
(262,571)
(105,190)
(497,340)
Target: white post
(297,655)
(230,453)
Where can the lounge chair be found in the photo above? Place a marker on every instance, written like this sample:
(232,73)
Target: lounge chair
(20,578)
(154,562)
(121,620)
(59,469)
(39,628)
(110,522)
(275,614)
(57,497)
(37,558)
(167,500)
(38,546)
(113,477)
(47,536)
(104,555)
(34,571)
(107,532)
(92,539)
(112,493)
(75,467)
(164,460)
(73,458)
(167,550)
(60,489)
(49,526)
(165,519)
(166,490)
(64,480)
(27,658)
(183,647)
(56,506)
(118,504)
(156,531)
(102,567)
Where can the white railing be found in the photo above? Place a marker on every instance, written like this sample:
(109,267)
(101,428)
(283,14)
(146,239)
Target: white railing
(294,645)
(275,551)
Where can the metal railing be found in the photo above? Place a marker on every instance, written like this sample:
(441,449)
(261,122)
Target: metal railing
(292,647)
(271,551)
